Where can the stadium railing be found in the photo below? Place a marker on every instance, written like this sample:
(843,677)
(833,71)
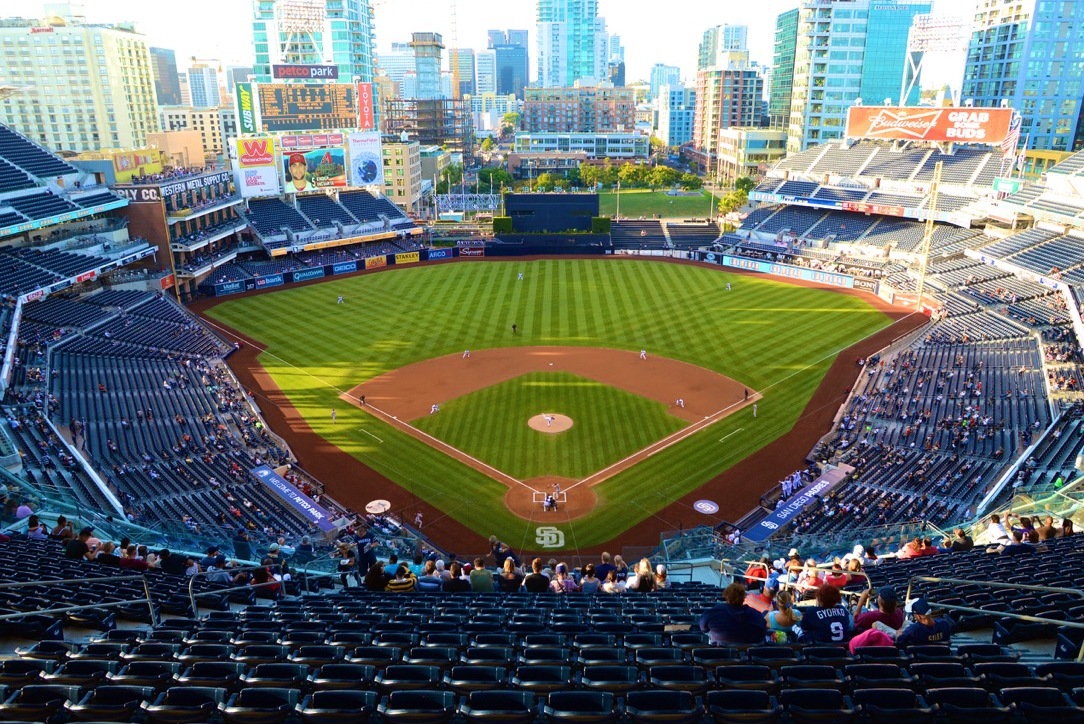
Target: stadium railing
(1000,614)
(96,606)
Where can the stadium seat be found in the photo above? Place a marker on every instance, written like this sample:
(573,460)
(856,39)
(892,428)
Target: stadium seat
(889,706)
(998,675)
(81,672)
(111,703)
(711,657)
(753,677)
(38,702)
(213,674)
(1041,704)
(541,679)
(742,706)
(663,706)
(774,656)
(581,707)
(811,676)
(276,676)
(649,656)
(616,679)
(407,676)
(342,676)
(967,704)
(466,678)
(940,675)
(180,705)
(15,673)
(418,706)
(158,675)
(1066,675)
(817,705)
(260,706)
(878,676)
(599,655)
(835,656)
(339,706)
(544,655)
(377,656)
(881,655)
(498,706)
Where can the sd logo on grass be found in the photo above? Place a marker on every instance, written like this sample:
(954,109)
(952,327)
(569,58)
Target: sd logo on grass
(547,536)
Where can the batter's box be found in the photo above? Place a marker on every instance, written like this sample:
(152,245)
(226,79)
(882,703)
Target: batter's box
(540,497)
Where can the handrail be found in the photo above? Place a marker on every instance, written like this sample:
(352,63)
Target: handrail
(192,595)
(1004,614)
(99,579)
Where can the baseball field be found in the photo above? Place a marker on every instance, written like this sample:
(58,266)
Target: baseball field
(465,438)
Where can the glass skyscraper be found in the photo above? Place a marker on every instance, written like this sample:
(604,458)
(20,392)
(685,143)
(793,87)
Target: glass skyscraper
(846,50)
(1031,53)
(786,37)
(343,33)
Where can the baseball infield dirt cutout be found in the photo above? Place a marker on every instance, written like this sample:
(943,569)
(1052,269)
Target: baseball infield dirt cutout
(409,393)
(550,422)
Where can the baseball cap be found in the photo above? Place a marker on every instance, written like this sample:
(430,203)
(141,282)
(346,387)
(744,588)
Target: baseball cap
(561,568)
(220,560)
(273,547)
(87,531)
(793,552)
(887,594)
(297,158)
(779,563)
(921,607)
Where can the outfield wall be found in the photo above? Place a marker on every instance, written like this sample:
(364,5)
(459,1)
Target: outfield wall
(789,271)
(343,267)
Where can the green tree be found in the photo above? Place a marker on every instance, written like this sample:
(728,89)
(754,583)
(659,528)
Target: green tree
(590,176)
(690,181)
(498,176)
(488,145)
(662,176)
(510,122)
(607,174)
(633,176)
(744,183)
(545,181)
(450,177)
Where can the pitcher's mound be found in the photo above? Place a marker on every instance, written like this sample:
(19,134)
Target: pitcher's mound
(550,422)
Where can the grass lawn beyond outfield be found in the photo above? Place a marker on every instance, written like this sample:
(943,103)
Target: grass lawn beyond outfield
(770,336)
(638,203)
(608,425)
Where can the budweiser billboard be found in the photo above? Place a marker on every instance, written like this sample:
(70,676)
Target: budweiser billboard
(920,123)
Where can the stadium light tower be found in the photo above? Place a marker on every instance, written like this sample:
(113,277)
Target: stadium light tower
(931,34)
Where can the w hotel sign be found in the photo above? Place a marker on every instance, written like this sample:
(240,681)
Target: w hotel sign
(922,123)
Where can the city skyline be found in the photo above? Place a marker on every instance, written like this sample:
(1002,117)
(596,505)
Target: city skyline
(670,38)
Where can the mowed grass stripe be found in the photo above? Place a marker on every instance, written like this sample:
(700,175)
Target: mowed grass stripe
(762,333)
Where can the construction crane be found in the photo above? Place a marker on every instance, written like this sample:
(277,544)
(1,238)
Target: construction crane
(454,50)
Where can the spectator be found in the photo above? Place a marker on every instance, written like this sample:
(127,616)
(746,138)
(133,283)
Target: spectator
(404,581)
(347,562)
(535,582)
(265,583)
(1048,531)
(828,622)
(590,583)
(305,552)
(377,578)
(810,578)
(910,549)
(106,555)
(510,577)
(837,577)
(613,584)
(417,566)
(169,563)
(733,621)
(442,570)
(757,573)
(644,580)
(217,572)
(77,548)
(995,531)
(959,542)
(1018,546)
(430,579)
(604,568)
(481,580)
(887,612)
(927,629)
(191,566)
(131,560)
(621,568)
(23,511)
(793,565)
(661,580)
(781,621)
(63,529)
(456,583)
(35,530)
(562,582)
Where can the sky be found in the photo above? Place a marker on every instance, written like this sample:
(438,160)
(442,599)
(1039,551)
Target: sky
(222,29)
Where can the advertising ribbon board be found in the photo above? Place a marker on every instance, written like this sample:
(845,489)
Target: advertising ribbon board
(923,123)
(375,262)
(309,509)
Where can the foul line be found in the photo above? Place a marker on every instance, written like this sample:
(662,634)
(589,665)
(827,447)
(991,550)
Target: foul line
(724,437)
(371,435)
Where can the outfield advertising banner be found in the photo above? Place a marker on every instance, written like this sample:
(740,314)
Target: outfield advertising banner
(786,270)
(796,503)
(344,267)
(308,508)
(366,116)
(472,251)
(440,254)
(923,123)
(257,172)
(229,288)
(306,141)
(312,170)
(306,274)
(246,109)
(272,280)
(408,257)
(366,159)
(375,262)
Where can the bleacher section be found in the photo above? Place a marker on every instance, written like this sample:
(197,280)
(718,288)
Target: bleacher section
(638,235)
(30,157)
(322,210)
(13,179)
(269,216)
(41,205)
(688,235)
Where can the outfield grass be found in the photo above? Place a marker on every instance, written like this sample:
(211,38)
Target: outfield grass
(770,336)
(641,202)
(608,424)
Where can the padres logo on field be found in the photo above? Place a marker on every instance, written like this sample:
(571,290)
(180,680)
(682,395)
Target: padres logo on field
(549,537)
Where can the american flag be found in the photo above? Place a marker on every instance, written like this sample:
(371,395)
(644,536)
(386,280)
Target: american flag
(1008,146)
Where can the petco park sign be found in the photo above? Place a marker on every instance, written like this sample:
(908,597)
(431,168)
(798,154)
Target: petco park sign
(960,125)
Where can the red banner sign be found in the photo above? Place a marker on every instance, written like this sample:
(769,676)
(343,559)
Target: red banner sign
(920,123)
(366,117)
(864,208)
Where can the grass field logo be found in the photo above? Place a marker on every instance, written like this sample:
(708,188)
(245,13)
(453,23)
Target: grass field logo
(547,536)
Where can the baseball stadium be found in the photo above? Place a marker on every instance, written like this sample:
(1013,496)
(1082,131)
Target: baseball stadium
(275,451)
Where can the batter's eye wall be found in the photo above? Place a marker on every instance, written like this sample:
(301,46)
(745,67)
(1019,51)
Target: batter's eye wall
(540,213)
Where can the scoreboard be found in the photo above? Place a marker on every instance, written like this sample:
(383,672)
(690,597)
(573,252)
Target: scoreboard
(307,106)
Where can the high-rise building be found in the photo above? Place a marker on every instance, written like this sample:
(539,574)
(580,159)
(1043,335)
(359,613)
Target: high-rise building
(93,86)
(664,75)
(396,64)
(186,92)
(786,37)
(719,40)
(579,110)
(677,107)
(828,80)
(236,74)
(1028,53)
(464,59)
(725,97)
(441,122)
(322,32)
(203,85)
(511,69)
(215,126)
(485,75)
(572,43)
(617,73)
(167,86)
(428,51)
(616,50)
